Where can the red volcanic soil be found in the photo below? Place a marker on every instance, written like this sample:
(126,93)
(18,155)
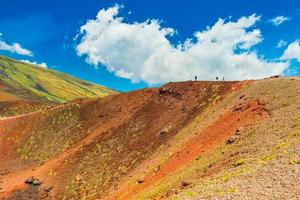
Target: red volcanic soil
(18,126)
(212,136)
(129,127)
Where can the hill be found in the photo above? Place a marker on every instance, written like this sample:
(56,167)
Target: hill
(25,87)
(27,81)
(187,140)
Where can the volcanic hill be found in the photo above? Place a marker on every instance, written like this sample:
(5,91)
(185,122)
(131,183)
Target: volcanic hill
(25,87)
(184,140)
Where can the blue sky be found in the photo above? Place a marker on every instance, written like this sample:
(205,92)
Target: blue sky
(48,28)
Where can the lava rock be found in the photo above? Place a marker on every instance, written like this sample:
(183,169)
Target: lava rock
(230,140)
(185,183)
(140,181)
(33,181)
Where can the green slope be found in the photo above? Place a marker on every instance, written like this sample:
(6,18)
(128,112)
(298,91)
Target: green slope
(20,80)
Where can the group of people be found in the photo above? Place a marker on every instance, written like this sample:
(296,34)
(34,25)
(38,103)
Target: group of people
(217,78)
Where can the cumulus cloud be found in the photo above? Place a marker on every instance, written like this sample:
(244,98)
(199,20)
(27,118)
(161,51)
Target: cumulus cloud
(14,48)
(281,43)
(276,21)
(43,64)
(141,51)
(292,51)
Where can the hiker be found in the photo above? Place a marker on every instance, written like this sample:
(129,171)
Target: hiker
(217,78)
(195,78)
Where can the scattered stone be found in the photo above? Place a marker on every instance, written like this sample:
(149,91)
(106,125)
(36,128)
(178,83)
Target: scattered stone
(236,108)
(165,130)
(140,181)
(157,169)
(29,180)
(37,182)
(242,96)
(170,193)
(233,138)
(78,178)
(168,91)
(162,133)
(44,192)
(275,76)
(33,181)
(48,189)
(185,184)
(4,172)
(238,163)
(230,140)
(101,115)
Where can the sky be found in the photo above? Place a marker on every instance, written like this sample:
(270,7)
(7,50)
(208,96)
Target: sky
(131,44)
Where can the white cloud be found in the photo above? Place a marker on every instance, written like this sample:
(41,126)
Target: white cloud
(292,51)
(276,21)
(281,43)
(43,64)
(14,48)
(141,51)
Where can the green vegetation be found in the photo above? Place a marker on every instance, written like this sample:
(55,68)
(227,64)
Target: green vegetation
(17,108)
(101,165)
(286,141)
(27,81)
(239,162)
(234,173)
(53,134)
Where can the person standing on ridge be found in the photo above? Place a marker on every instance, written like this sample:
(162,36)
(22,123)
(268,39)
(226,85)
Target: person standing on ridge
(195,78)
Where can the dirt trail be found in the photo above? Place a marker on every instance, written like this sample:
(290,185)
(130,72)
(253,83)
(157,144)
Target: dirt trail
(212,136)
(3,119)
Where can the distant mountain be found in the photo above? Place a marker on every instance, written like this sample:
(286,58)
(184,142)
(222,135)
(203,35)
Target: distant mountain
(23,81)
